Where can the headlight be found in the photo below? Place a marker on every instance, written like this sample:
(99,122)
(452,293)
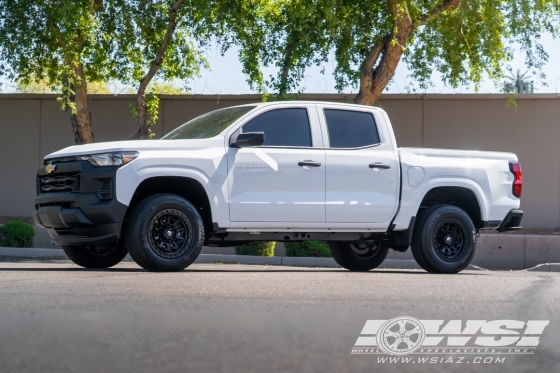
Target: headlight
(110,159)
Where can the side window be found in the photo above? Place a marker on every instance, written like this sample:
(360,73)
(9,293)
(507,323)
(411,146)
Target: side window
(351,129)
(282,127)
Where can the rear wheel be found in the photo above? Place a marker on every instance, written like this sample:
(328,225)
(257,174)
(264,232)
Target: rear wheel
(164,233)
(444,239)
(361,256)
(95,257)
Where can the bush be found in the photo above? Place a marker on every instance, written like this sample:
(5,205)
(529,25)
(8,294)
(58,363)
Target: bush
(256,249)
(308,248)
(16,234)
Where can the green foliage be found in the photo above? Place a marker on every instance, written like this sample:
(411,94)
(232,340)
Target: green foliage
(140,28)
(307,249)
(156,41)
(69,43)
(47,44)
(16,234)
(286,34)
(463,44)
(256,249)
(464,41)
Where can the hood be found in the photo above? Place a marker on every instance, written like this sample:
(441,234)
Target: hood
(138,145)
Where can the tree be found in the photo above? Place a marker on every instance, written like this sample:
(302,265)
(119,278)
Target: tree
(288,34)
(518,83)
(155,40)
(59,43)
(68,44)
(462,39)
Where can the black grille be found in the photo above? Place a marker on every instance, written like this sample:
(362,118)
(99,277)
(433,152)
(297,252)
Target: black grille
(64,232)
(62,182)
(62,204)
(105,190)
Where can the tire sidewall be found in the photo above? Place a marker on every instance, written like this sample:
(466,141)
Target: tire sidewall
(428,244)
(138,234)
(344,255)
(83,257)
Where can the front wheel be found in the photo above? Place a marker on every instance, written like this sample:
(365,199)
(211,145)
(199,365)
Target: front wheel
(164,233)
(358,256)
(444,239)
(95,257)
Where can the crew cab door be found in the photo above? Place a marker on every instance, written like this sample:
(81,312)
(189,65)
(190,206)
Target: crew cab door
(284,179)
(362,172)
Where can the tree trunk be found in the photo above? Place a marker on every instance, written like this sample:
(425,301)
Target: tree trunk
(144,131)
(374,78)
(286,66)
(83,115)
(142,113)
(80,119)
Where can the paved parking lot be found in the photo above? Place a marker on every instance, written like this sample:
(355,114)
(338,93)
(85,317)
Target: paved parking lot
(56,317)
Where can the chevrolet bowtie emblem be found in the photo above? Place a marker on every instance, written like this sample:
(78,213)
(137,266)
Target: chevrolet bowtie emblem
(50,168)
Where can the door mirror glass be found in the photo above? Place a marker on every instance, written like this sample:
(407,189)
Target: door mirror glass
(248,139)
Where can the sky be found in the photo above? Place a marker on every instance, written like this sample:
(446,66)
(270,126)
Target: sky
(225,76)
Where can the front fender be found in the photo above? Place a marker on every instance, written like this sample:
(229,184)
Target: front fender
(128,180)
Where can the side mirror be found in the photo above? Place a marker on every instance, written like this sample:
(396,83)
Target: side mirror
(248,139)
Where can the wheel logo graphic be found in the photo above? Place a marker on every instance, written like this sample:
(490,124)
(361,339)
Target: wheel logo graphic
(401,336)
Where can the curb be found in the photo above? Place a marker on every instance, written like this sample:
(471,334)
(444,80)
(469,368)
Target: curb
(228,259)
(287,261)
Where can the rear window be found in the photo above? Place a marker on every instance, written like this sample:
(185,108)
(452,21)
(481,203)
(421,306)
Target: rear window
(351,129)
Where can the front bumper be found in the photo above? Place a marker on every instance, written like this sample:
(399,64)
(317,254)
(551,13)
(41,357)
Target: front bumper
(84,213)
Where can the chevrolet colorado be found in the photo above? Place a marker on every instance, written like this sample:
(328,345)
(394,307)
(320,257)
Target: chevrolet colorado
(280,171)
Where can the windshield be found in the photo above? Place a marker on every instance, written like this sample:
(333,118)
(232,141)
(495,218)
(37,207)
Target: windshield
(209,124)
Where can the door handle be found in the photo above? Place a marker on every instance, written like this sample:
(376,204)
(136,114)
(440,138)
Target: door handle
(309,164)
(379,165)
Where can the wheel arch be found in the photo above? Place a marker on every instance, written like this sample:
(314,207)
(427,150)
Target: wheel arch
(459,196)
(186,187)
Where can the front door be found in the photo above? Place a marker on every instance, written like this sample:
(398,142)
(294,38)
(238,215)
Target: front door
(284,179)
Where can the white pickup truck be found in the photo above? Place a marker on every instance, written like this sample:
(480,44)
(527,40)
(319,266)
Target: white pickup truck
(280,171)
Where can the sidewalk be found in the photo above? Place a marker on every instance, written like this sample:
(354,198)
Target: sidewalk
(390,263)
(219,258)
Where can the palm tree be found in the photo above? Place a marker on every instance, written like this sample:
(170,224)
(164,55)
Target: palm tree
(518,83)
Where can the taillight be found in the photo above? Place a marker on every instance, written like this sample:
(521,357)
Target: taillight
(517,188)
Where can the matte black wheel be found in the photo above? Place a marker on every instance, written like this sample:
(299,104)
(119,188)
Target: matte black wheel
(95,257)
(164,233)
(444,239)
(358,256)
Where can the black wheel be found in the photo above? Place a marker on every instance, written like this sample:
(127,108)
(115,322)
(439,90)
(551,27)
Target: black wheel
(358,256)
(95,257)
(164,233)
(444,239)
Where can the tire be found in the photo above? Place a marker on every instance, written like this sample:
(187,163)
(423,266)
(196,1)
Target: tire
(444,239)
(158,217)
(358,256)
(95,257)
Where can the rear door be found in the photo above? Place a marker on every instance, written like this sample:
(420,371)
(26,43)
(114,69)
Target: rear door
(284,179)
(362,172)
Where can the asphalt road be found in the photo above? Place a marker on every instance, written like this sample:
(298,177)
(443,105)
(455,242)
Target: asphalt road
(55,317)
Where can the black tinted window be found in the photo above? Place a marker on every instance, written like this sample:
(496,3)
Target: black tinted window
(282,127)
(351,129)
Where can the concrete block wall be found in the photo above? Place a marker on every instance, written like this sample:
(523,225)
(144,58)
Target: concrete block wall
(32,126)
